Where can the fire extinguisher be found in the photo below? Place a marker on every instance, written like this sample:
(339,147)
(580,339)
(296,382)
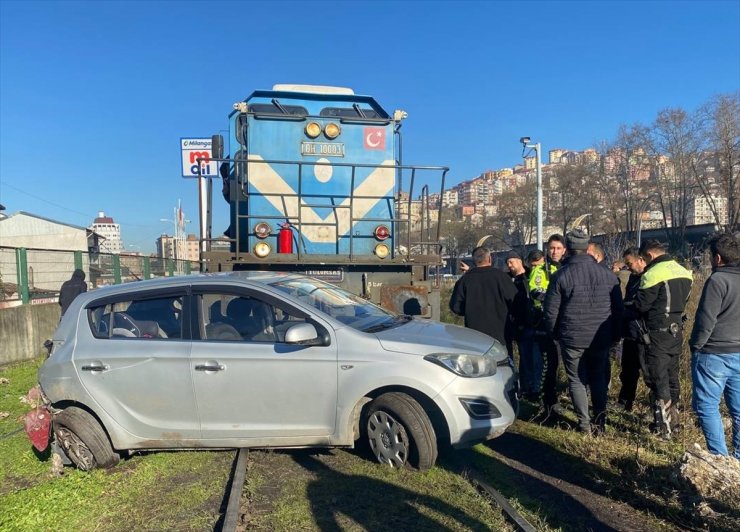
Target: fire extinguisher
(285,239)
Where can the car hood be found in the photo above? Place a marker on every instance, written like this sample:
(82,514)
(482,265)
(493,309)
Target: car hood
(425,336)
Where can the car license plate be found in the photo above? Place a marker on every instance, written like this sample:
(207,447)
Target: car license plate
(326,149)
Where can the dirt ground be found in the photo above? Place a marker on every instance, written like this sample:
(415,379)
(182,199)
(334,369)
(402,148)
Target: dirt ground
(564,502)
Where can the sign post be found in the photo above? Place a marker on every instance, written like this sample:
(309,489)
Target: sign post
(195,152)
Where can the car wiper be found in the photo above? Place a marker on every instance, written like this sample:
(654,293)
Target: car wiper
(380,326)
(396,321)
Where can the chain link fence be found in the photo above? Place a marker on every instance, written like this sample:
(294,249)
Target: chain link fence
(36,275)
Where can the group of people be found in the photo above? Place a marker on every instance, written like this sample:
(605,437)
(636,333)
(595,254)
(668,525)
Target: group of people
(569,305)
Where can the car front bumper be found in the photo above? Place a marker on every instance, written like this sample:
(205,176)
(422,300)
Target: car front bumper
(480,409)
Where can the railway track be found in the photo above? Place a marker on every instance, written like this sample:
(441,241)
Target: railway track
(238,478)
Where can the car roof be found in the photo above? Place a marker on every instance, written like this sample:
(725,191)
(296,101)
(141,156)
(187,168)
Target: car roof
(248,278)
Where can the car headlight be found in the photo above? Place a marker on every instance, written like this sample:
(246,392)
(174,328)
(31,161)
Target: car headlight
(465,365)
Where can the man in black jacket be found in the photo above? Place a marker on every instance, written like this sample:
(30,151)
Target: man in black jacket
(582,310)
(520,321)
(715,344)
(484,296)
(661,298)
(71,289)
(633,347)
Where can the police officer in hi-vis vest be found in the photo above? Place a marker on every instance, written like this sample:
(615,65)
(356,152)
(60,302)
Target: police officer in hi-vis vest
(539,279)
(661,298)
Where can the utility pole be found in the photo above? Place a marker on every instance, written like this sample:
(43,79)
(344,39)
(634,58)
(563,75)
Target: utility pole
(526,144)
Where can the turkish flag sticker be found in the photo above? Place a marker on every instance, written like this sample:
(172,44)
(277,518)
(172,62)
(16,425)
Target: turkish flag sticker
(374,138)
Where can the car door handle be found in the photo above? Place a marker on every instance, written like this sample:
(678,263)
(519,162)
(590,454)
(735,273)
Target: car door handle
(96,367)
(210,367)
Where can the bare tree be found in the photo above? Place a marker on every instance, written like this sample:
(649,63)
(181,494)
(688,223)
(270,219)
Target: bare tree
(721,121)
(626,168)
(674,148)
(517,214)
(570,186)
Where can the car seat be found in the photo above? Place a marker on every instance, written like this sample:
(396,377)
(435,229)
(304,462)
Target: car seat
(252,318)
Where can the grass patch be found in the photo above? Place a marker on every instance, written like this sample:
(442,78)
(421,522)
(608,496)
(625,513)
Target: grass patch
(160,491)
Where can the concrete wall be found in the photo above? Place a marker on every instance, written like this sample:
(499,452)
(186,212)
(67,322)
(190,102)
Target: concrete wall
(24,329)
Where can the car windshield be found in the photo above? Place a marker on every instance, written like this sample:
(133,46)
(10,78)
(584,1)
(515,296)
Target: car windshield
(341,305)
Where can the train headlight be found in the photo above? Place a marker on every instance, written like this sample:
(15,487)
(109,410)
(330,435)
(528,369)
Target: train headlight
(262,230)
(313,130)
(262,249)
(381,232)
(332,131)
(382,251)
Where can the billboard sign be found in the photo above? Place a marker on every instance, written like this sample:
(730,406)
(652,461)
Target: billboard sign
(191,151)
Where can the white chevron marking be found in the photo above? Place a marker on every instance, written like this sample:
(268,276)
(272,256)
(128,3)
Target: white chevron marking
(267,181)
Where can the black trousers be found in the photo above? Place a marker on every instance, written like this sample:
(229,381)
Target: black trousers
(550,355)
(633,361)
(661,358)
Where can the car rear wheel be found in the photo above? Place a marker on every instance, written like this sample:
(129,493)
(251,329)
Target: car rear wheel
(83,439)
(400,433)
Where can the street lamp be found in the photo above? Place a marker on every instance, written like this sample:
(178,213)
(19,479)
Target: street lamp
(526,144)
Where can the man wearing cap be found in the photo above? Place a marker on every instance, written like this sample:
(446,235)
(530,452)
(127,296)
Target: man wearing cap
(582,311)
(484,296)
(530,361)
(664,289)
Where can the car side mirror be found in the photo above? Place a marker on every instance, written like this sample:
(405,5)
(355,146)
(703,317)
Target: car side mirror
(303,334)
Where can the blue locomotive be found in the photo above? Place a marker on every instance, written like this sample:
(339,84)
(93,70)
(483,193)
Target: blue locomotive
(315,183)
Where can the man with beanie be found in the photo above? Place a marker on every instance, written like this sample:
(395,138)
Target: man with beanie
(582,312)
(661,298)
(715,344)
(71,289)
(484,296)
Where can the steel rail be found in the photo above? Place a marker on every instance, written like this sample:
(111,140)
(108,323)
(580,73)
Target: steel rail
(238,478)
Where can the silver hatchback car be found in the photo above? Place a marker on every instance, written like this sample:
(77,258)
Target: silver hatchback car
(260,359)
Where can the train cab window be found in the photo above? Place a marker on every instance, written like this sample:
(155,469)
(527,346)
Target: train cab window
(272,109)
(350,112)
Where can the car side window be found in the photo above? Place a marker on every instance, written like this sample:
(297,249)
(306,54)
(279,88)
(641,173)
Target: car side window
(159,318)
(230,317)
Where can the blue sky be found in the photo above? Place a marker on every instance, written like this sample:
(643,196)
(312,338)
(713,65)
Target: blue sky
(94,96)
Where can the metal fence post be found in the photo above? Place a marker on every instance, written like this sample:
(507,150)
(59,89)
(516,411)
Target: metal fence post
(187,267)
(171,267)
(78,260)
(116,269)
(21,266)
(147,268)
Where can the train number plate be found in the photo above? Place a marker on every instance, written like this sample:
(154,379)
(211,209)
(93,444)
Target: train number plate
(330,276)
(325,149)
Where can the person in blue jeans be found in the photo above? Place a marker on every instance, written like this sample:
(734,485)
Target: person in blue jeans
(715,346)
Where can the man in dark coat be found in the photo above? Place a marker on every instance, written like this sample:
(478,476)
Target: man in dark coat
(521,330)
(633,329)
(582,309)
(484,296)
(71,289)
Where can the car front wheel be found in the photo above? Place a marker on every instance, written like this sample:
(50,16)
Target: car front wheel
(400,433)
(83,439)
